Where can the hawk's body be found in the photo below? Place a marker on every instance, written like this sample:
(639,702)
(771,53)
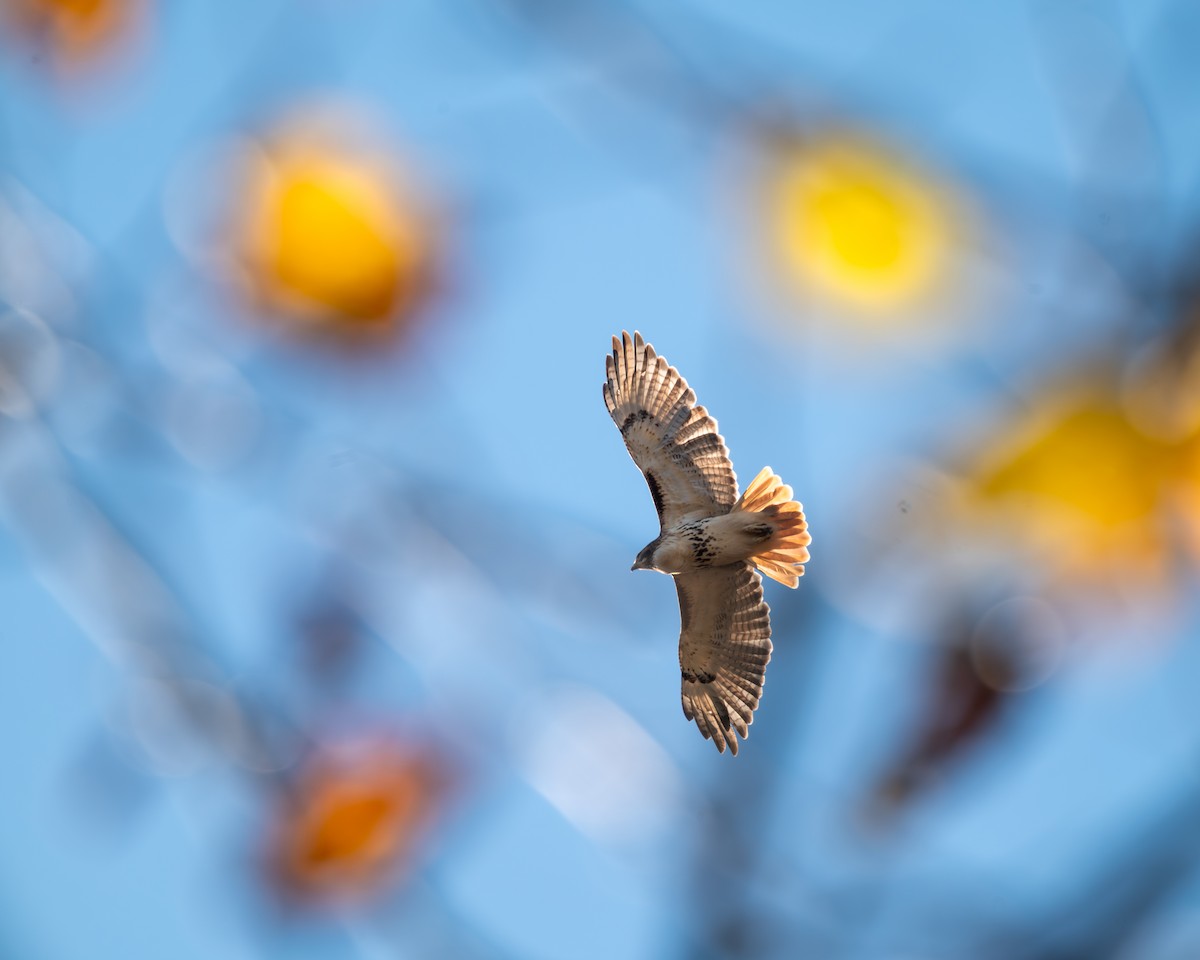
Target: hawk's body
(713,542)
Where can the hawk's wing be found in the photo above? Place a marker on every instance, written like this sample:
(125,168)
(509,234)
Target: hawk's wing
(673,441)
(724,648)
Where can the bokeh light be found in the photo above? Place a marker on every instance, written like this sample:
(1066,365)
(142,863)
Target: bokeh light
(859,227)
(1092,493)
(76,33)
(354,819)
(330,235)
(315,572)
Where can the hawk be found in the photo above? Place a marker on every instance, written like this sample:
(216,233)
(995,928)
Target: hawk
(713,542)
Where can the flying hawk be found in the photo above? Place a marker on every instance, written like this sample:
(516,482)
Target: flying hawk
(713,542)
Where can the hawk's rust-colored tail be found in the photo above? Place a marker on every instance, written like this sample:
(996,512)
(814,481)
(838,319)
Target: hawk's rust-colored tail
(783,555)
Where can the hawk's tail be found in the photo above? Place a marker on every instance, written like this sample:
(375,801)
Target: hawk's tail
(785,551)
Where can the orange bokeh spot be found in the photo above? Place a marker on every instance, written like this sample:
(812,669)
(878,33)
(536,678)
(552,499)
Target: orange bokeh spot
(75,31)
(353,820)
(353,826)
(331,239)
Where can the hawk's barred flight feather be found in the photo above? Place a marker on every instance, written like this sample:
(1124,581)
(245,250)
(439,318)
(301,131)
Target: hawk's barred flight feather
(657,414)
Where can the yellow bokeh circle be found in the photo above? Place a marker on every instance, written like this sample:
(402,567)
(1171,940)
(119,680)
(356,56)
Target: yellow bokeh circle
(855,225)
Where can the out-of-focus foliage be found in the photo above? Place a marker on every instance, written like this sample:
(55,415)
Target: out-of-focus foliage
(328,235)
(1094,495)
(229,559)
(75,33)
(854,225)
(353,817)
(1090,491)
(959,706)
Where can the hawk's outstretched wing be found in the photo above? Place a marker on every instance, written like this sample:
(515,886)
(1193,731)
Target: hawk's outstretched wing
(673,441)
(724,648)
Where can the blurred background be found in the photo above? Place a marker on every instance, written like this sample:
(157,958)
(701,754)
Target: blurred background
(319,635)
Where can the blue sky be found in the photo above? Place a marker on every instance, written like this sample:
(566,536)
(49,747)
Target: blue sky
(468,488)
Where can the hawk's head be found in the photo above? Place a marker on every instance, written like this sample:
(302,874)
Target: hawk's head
(645,558)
